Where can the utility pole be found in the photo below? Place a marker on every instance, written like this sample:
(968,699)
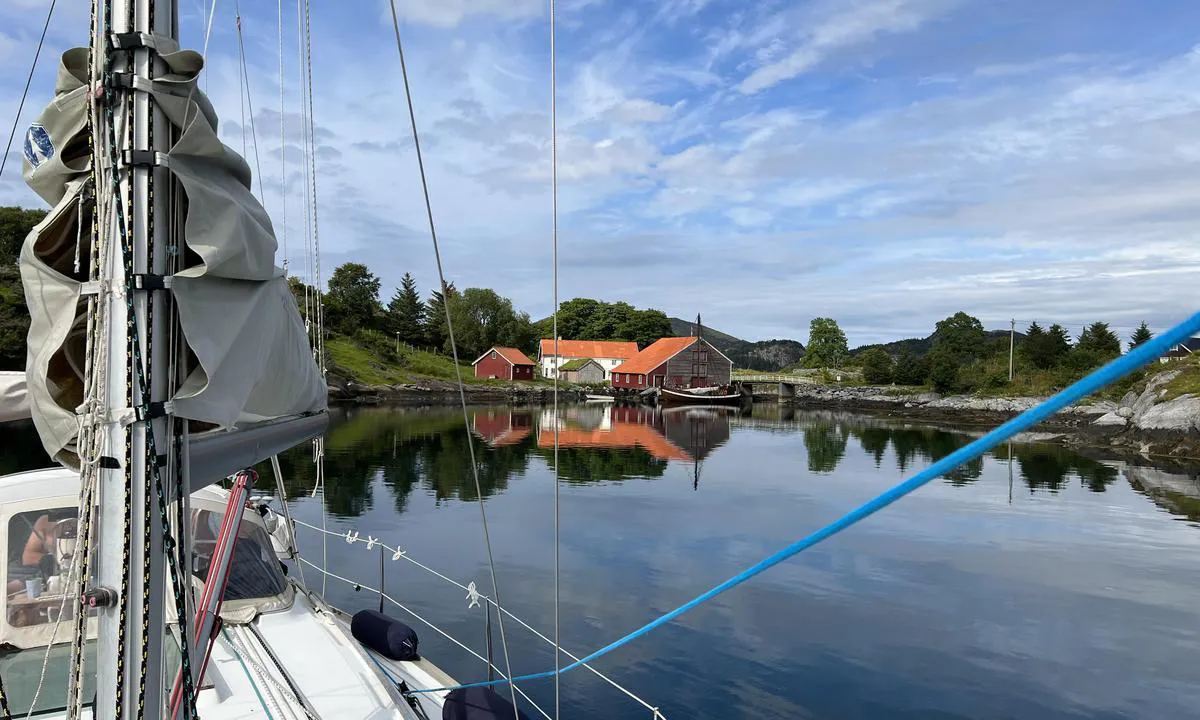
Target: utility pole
(398,345)
(1012,336)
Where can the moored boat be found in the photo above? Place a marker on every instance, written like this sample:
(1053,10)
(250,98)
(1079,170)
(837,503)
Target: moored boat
(716,395)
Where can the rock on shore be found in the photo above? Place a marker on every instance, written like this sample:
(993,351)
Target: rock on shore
(434,392)
(1145,422)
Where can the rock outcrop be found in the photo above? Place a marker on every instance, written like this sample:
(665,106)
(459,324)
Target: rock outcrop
(1152,422)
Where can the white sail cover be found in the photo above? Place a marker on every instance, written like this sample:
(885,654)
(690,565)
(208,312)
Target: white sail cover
(251,356)
(14,401)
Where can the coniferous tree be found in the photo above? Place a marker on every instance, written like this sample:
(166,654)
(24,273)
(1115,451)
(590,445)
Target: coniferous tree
(1140,336)
(1060,342)
(406,312)
(435,317)
(1099,339)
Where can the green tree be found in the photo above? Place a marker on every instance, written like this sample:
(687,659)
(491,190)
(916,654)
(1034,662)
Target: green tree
(960,337)
(15,224)
(644,327)
(877,366)
(588,319)
(14,319)
(826,344)
(1099,340)
(1140,336)
(1060,342)
(483,318)
(943,370)
(352,302)
(435,317)
(910,369)
(1039,348)
(406,312)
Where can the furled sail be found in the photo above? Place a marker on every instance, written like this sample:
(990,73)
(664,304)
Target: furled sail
(14,402)
(249,358)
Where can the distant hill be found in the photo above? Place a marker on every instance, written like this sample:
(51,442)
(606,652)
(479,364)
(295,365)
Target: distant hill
(766,355)
(921,346)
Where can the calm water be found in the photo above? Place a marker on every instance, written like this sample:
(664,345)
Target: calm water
(1061,590)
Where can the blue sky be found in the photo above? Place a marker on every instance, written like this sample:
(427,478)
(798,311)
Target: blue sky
(883,162)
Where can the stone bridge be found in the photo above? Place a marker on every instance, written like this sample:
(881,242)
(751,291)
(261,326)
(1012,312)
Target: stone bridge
(784,385)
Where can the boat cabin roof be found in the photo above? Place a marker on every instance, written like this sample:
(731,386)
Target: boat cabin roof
(38,537)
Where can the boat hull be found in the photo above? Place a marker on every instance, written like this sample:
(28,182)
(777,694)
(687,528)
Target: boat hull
(667,396)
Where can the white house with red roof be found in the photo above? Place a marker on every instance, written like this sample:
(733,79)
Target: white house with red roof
(607,353)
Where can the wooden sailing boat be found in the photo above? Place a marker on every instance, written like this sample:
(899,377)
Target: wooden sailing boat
(704,394)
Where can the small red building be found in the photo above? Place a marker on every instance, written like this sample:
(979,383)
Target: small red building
(674,362)
(504,363)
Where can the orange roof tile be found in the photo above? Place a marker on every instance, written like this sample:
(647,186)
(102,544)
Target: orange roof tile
(590,348)
(622,435)
(513,355)
(654,355)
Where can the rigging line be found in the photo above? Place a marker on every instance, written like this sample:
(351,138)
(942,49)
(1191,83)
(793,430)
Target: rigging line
(241,85)
(427,622)
(1094,381)
(309,284)
(554,243)
(312,163)
(462,395)
(29,80)
(405,556)
(282,146)
(250,103)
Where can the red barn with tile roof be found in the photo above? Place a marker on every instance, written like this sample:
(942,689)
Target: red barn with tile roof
(674,362)
(504,363)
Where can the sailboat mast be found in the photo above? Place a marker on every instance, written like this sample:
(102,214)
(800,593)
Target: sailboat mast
(131,557)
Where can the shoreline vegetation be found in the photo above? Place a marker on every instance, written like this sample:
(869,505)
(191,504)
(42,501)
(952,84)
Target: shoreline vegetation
(960,374)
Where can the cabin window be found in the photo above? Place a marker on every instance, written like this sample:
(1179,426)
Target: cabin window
(41,544)
(703,356)
(493,354)
(254,571)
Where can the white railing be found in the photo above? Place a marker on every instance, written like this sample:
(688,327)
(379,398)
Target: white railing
(473,595)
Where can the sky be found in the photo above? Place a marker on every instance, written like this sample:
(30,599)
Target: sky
(882,162)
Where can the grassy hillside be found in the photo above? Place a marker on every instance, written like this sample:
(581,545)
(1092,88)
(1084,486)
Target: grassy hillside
(378,363)
(372,359)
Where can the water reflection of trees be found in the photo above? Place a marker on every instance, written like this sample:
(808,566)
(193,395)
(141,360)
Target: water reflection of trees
(428,449)
(403,449)
(1047,467)
(584,465)
(825,435)
(825,445)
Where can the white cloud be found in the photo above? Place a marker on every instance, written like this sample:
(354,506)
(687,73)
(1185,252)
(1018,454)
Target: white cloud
(749,216)
(450,13)
(849,24)
(1060,188)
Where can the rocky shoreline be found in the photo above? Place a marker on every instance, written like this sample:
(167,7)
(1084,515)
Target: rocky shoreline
(1147,423)
(434,392)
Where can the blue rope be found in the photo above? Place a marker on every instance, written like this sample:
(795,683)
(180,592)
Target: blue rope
(1097,380)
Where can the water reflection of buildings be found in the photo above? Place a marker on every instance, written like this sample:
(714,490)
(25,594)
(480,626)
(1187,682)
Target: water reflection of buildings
(685,434)
(500,427)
